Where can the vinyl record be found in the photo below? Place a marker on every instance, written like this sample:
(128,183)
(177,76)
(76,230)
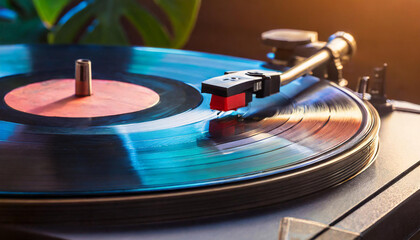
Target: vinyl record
(176,159)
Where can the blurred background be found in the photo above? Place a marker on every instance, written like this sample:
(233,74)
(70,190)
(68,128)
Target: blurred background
(386,31)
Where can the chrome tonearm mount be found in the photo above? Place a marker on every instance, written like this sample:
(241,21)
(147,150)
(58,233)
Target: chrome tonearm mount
(235,89)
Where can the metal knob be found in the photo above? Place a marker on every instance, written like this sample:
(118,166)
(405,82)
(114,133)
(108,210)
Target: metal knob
(83,78)
(288,39)
(344,49)
(285,42)
(377,91)
(378,84)
(362,86)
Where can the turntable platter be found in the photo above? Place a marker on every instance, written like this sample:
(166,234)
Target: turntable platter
(311,136)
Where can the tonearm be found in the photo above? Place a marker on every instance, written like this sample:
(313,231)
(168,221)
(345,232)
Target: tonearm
(235,89)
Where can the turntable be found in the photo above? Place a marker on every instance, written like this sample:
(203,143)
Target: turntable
(168,144)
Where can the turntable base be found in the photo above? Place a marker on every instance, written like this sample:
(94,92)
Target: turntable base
(381,203)
(180,170)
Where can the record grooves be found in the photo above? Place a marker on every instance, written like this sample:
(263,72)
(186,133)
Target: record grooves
(177,159)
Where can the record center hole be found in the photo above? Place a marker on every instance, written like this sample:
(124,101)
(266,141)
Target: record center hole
(55,98)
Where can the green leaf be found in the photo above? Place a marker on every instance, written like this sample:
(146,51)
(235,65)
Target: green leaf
(24,27)
(49,10)
(106,27)
(109,34)
(182,14)
(99,22)
(152,31)
(67,32)
(7,15)
(94,22)
(24,8)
